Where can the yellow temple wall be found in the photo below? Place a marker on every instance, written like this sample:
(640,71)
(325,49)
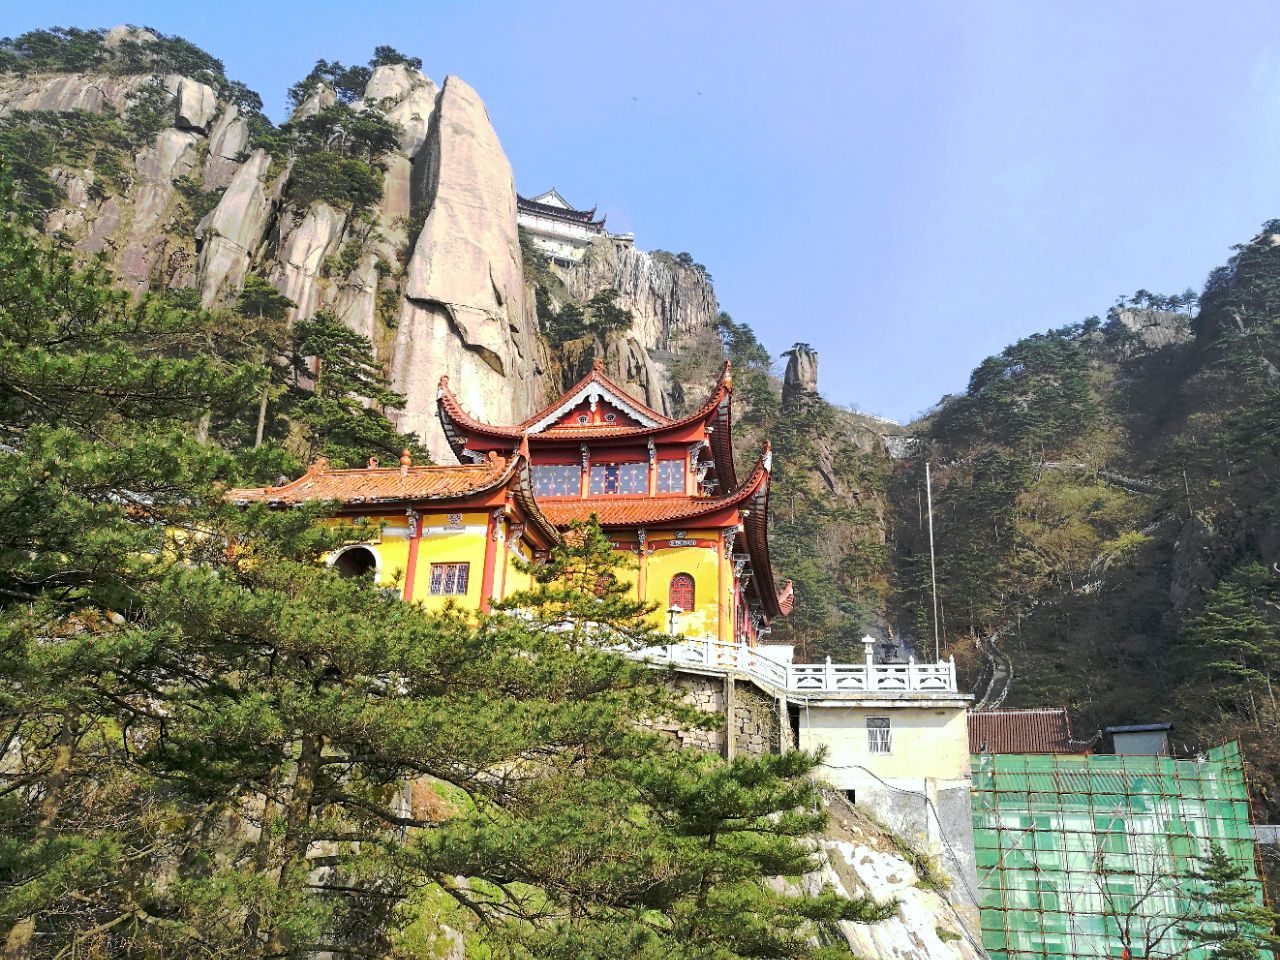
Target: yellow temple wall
(703,564)
(439,544)
(513,580)
(442,545)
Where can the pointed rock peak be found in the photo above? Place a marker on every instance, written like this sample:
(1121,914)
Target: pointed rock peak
(801,376)
(457,88)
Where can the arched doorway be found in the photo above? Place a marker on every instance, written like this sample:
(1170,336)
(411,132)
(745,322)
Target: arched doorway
(356,562)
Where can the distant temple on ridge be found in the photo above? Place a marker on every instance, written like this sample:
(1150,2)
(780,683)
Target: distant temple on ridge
(559,230)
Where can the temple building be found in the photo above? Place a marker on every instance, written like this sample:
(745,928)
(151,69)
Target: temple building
(558,230)
(665,490)
(438,534)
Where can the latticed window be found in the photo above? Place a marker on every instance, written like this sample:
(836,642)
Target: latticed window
(681,593)
(557,480)
(449,579)
(623,478)
(671,476)
(879,735)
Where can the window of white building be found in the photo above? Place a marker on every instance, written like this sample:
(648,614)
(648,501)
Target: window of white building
(879,735)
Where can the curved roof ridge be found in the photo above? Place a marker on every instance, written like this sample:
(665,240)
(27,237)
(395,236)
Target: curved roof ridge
(453,415)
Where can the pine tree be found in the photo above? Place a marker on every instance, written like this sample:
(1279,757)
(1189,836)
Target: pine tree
(1229,922)
(1231,645)
(341,397)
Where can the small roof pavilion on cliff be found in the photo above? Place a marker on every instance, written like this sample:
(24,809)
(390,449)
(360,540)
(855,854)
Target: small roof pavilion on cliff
(666,489)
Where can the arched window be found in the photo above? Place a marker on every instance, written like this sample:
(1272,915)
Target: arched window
(681,592)
(355,562)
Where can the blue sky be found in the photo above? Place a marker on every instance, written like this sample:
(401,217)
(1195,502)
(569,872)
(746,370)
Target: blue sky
(906,186)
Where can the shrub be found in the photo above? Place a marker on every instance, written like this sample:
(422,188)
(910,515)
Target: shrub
(150,110)
(341,182)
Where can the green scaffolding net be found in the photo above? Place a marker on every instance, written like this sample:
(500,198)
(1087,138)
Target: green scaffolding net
(1092,856)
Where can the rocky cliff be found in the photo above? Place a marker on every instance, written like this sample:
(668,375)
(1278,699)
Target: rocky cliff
(200,191)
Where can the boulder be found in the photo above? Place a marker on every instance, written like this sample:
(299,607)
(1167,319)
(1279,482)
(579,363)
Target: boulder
(407,98)
(322,96)
(413,113)
(196,106)
(119,34)
(392,82)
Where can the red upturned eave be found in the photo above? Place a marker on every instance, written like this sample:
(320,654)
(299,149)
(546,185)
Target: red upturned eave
(755,530)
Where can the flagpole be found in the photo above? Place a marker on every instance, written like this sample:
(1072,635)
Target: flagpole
(933,566)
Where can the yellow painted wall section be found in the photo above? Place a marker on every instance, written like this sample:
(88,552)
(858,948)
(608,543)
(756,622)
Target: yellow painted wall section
(443,543)
(703,564)
(516,581)
(926,741)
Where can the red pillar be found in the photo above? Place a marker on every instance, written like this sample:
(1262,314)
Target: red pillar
(411,567)
(490,552)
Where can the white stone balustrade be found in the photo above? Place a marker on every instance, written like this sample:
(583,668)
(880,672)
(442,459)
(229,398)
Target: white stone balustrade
(866,677)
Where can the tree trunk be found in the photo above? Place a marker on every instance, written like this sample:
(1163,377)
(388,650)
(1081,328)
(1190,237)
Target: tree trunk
(293,847)
(262,415)
(262,850)
(20,934)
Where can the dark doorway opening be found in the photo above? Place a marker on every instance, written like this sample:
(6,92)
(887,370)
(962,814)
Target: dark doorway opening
(356,562)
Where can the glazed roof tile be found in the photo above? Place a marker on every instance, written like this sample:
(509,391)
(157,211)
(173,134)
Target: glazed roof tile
(1044,730)
(381,484)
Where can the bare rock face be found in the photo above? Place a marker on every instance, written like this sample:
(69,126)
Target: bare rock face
(801,376)
(227,142)
(231,234)
(859,859)
(667,298)
(170,156)
(1155,329)
(463,312)
(303,250)
(69,91)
